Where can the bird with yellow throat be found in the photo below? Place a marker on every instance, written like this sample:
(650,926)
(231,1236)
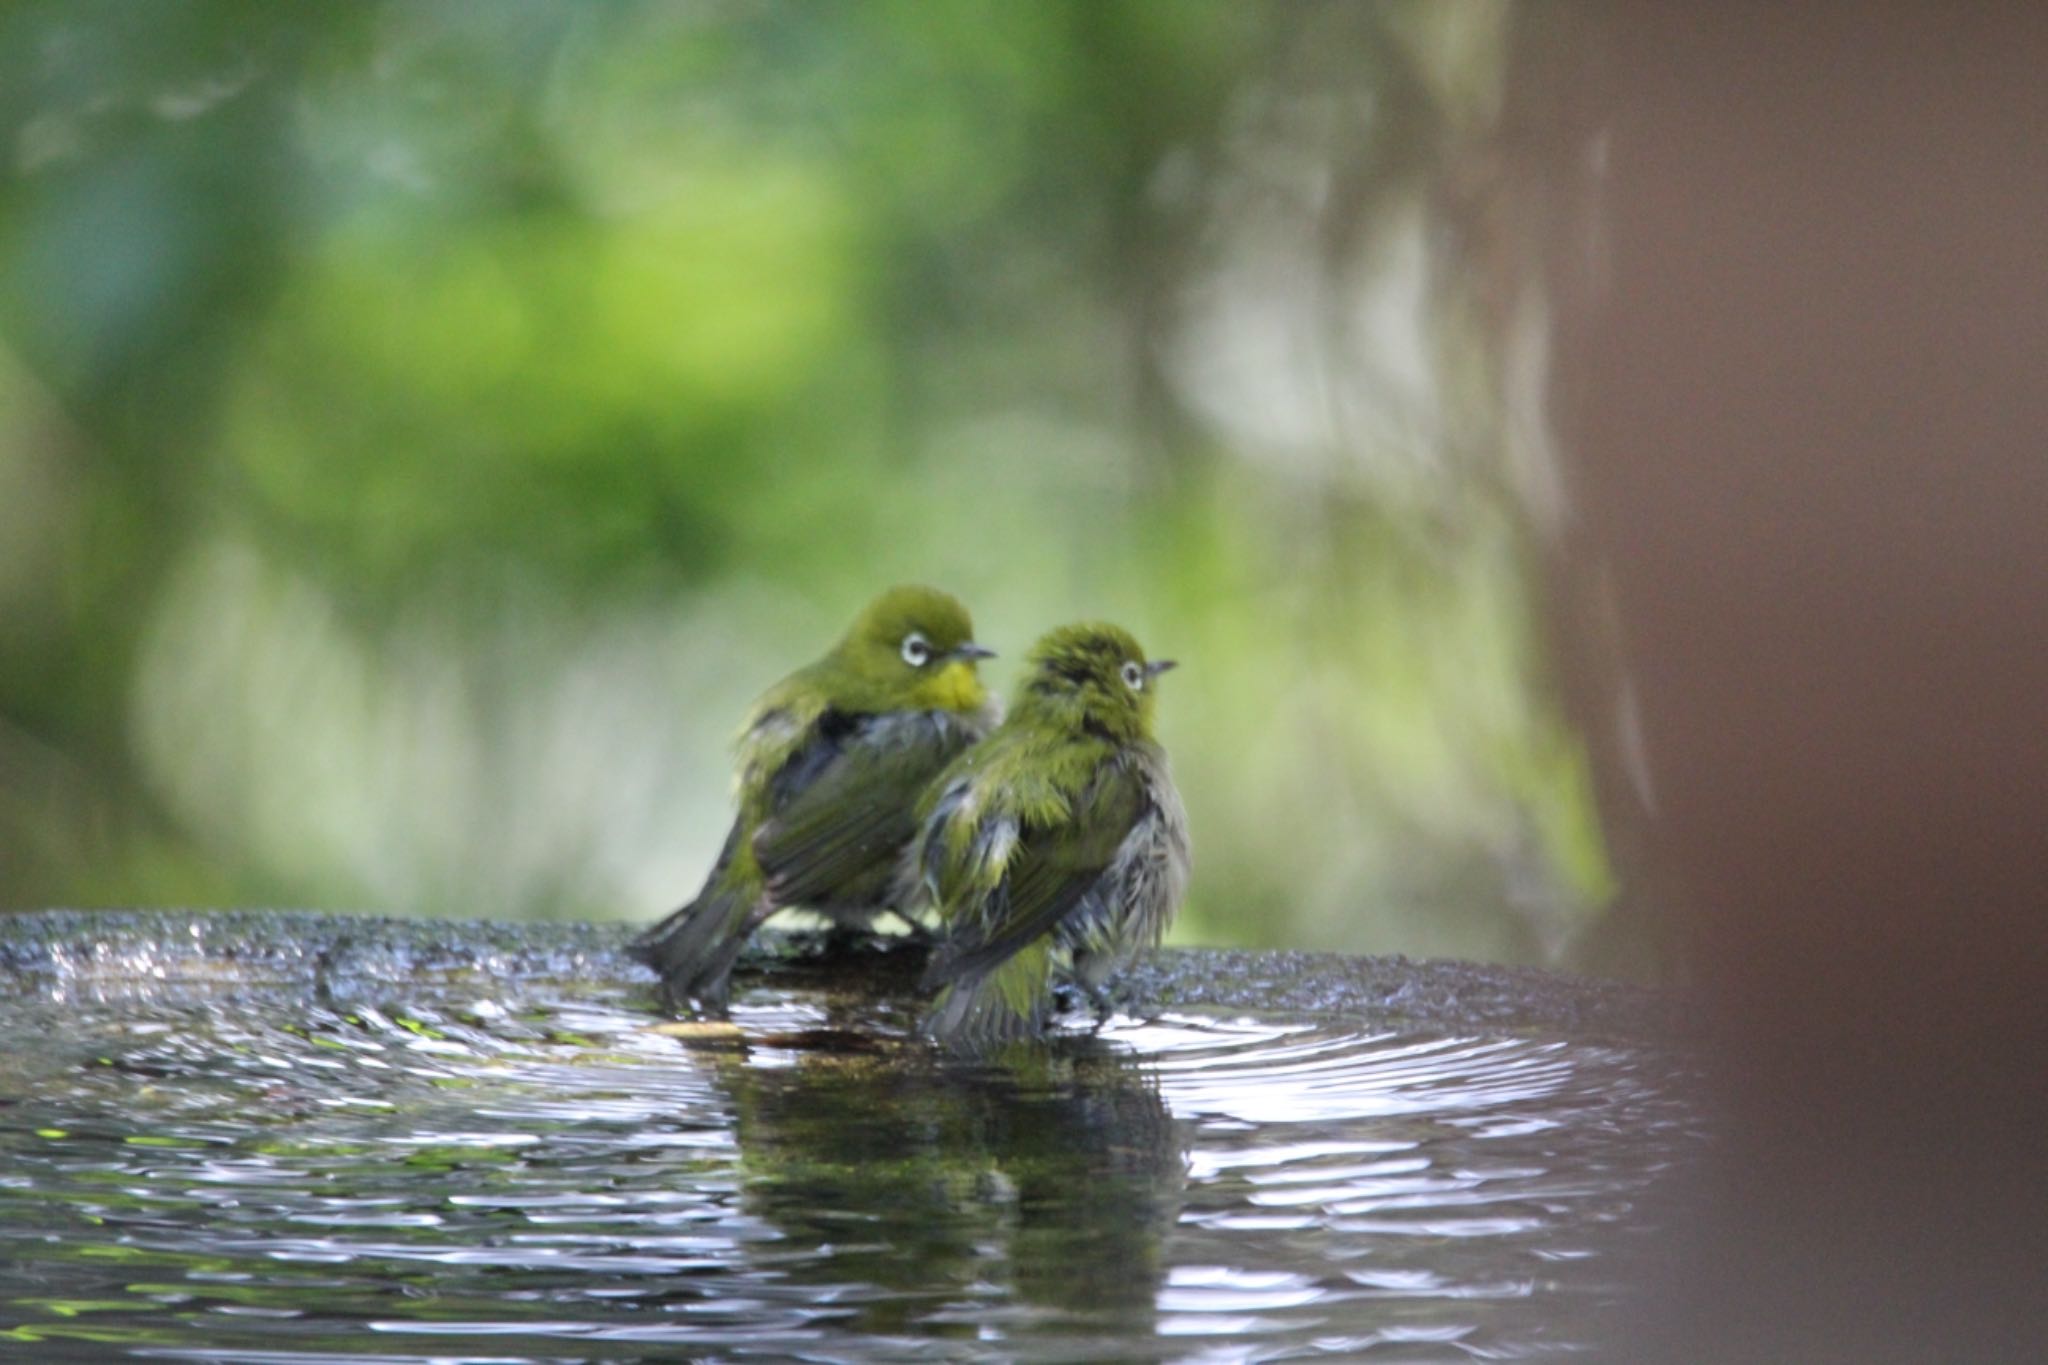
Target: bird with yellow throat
(832,762)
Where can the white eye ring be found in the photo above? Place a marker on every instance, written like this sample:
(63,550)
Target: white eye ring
(1134,676)
(917,651)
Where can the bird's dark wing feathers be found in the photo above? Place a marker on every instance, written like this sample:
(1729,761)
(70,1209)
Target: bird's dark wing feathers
(1052,879)
(842,807)
(828,735)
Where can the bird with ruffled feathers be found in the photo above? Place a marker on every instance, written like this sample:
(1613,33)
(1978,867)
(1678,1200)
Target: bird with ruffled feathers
(1056,846)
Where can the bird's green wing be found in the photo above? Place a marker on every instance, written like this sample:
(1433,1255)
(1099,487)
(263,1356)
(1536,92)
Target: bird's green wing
(843,806)
(1054,868)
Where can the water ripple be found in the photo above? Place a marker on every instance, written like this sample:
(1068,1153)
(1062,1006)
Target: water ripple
(532,1170)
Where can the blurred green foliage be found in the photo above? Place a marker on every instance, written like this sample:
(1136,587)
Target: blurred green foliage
(424,427)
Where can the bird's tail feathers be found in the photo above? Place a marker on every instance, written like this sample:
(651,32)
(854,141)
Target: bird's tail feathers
(695,948)
(984,1012)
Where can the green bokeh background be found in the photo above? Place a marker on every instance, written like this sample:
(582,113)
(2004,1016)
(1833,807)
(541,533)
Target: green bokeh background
(423,428)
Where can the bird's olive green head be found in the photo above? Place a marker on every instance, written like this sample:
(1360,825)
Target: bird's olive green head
(913,648)
(1093,678)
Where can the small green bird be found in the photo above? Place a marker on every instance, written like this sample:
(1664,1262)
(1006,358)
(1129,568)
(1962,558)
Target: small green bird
(1057,842)
(832,760)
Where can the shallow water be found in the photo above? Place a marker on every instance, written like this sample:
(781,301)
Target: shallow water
(222,1157)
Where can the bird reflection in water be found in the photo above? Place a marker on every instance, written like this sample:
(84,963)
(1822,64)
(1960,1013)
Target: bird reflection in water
(916,1191)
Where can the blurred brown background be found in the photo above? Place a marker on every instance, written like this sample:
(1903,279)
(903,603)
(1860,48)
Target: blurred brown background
(1801,379)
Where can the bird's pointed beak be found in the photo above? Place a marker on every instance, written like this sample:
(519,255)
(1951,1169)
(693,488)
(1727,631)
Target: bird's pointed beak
(1158,666)
(972,651)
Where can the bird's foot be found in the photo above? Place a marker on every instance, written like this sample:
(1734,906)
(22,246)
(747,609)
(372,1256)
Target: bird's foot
(697,1000)
(1098,998)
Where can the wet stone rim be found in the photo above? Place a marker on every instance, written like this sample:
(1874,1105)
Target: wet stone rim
(229,949)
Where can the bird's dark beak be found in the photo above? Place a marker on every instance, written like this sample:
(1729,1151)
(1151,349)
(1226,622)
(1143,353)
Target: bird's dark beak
(1158,666)
(971,651)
